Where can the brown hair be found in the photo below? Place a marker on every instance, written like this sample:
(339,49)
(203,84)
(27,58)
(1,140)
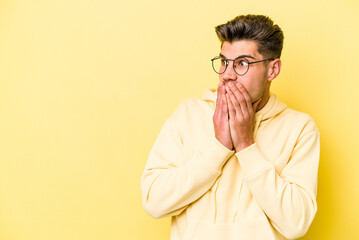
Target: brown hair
(259,28)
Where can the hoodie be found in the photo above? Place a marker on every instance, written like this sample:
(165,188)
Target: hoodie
(266,191)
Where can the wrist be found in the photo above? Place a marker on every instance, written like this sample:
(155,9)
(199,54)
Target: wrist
(227,144)
(242,146)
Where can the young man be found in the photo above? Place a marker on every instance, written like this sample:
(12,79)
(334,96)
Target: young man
(237,164)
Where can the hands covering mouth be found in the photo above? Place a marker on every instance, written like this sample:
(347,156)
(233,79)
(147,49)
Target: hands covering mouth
(234,116)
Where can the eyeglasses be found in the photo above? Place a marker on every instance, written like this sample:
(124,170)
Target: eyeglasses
(240,64)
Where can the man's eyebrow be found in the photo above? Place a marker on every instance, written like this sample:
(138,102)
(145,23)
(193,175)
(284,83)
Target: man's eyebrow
(243,56)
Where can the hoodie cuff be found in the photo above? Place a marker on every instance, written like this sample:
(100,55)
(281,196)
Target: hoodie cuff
(252,160)
(215,156)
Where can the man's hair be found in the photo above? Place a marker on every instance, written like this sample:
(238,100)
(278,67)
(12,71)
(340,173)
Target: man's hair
(259,28)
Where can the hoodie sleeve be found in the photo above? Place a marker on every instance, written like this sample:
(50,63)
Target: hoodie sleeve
(171,182)
(289,198)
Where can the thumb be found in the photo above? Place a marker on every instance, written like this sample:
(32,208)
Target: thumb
(255,104)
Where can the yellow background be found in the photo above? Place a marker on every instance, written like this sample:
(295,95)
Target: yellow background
(86,85)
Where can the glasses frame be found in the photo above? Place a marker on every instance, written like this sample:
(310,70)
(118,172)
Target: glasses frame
(227,63)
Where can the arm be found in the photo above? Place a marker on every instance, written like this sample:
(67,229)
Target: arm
(170,182)
(289,198)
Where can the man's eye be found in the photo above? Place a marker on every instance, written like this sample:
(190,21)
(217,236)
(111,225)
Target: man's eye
(243,63)
(224,61)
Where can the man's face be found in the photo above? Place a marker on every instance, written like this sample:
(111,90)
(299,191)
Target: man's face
(256,79)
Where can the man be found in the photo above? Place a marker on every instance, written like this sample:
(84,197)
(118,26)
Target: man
(237,164)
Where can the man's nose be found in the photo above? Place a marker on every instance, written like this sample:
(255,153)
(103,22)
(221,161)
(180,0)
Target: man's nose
(229,74)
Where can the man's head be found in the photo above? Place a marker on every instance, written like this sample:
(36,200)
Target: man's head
(253,38)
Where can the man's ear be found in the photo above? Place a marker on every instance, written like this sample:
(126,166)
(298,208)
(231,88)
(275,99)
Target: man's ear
(274,69)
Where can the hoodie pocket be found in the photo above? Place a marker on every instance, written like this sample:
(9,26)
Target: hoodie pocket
(249,229)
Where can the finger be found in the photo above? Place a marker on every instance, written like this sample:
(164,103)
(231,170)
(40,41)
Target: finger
(224,111)
(231,110)
(236,104)
(225,107)
(218,101)
(241,99)
(249,113)
(246,95)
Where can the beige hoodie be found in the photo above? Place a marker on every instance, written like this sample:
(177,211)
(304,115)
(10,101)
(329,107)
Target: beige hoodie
(266,191)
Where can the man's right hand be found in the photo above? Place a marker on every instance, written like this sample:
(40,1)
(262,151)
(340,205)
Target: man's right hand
(220,118)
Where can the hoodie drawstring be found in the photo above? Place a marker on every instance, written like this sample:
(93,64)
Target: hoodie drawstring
(215,200)
(239,194)
(256,126)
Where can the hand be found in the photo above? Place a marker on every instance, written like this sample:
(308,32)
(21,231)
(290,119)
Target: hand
(241,115)
(220,118)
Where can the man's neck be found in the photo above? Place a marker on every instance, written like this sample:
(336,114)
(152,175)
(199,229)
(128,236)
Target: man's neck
(263,102)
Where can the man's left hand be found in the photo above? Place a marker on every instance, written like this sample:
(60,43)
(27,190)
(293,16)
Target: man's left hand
(241,115)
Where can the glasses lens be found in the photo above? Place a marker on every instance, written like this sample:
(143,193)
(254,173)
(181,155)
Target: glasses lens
(219,65)
(241,66)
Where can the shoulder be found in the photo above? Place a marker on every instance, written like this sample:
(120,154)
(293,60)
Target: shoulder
(191,113)
(192,103)
(300,119)
(190,106)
